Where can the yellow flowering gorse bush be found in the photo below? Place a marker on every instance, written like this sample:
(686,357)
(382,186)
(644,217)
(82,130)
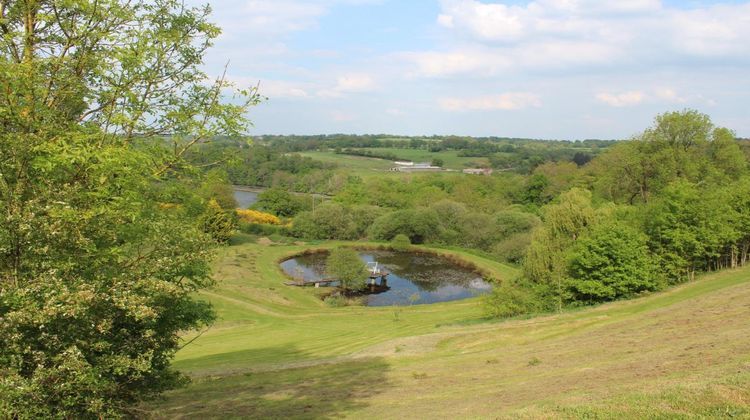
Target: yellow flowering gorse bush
(254,216)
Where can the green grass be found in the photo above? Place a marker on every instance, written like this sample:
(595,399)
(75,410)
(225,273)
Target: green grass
(365,166)
(278,351)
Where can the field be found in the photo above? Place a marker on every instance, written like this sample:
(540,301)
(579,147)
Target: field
(279,352)
(365,166)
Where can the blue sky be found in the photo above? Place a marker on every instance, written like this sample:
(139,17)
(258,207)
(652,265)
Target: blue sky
(560,69)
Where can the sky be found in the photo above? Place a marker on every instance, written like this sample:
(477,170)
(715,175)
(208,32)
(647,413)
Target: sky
(554,69)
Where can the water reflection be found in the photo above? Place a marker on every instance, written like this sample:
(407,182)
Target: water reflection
(415,278)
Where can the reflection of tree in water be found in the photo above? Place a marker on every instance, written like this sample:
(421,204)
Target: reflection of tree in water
(315,262)
(427,272)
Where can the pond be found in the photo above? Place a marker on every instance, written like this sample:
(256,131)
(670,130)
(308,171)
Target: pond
(415,278)
(245,199)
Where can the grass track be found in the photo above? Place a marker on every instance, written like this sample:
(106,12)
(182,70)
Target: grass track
(279,352)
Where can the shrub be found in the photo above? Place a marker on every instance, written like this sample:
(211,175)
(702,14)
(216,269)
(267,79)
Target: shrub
(401,242)
(420,225)
(611,262)
(217,222)
(344,265)
(264,230)
(281,202)
(259,217)
(513,248)
(510,299)
(329,221)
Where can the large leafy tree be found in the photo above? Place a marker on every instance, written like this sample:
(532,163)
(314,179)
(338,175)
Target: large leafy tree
(98,254)
(611,262)
(546,261)
(682,145)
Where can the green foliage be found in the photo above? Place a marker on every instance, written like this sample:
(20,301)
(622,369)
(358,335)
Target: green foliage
(100,249)
(545,264)
(679,146)
(401,242)
(216,187)
(689,228)
(437,162)
(611,262)
(535,193)
(281,203)
(328,221)
(264,165)
(513,248)
(419,225)
(510,298)
(345,265)
(217,222)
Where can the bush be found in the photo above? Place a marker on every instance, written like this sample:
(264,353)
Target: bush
(513,248)
(329,221)
(254,216)
(611,262)
(263,230)
(281,203)
(511,299)
(420,225)
(217,222)
(401,242)
(344,265)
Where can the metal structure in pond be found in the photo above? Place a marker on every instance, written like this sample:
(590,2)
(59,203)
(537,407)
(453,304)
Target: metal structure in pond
(377,282)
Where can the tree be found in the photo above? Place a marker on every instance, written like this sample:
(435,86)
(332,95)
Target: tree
(679,146)
(345,265)
(279,202)
(611,262)
(689,228)
(329,221)
(216,187)
(545,264)
(217,222)
(420,225)
(401,242)
(437,162)
(100,100)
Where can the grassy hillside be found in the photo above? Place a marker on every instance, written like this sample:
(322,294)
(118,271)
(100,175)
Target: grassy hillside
(278,352)
(365,166)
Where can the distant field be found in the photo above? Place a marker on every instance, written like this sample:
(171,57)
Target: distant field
(365,166)
(449,157)
(362,166)
(279,352)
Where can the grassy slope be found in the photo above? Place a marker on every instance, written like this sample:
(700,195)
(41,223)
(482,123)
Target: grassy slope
(278,352)
(364,166)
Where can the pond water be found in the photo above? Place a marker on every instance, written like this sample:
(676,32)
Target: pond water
(414,278)
(245,199)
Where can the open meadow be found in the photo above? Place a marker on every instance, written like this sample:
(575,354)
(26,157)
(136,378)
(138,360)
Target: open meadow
(278,351)
(368,166)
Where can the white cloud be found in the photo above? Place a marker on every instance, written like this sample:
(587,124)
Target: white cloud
(622,99)
(355,83)
(669,95)
(506,102)
(395,112)
(569,34)
(487,21)
(272,88)
(282,15)
(349,83)
(440,64)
